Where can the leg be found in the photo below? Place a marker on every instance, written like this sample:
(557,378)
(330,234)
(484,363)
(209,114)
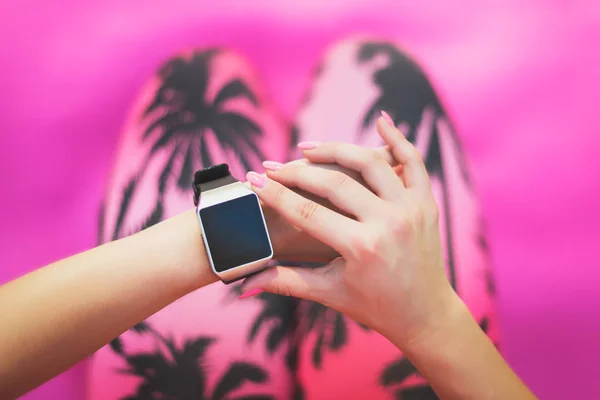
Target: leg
(357,80)
(202,108)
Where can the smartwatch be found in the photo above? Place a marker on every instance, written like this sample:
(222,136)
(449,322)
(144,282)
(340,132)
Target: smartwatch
(233,225)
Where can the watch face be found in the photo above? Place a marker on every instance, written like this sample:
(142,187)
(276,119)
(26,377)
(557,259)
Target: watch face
(235,232)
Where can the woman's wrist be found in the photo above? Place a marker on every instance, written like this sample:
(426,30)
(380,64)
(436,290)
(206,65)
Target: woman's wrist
(431,320)
(176,245)
(451,321)
(460,362)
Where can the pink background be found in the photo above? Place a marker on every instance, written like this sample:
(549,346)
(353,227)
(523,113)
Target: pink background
(521,79)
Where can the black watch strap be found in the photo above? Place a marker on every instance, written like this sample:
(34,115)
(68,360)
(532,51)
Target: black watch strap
(211,178)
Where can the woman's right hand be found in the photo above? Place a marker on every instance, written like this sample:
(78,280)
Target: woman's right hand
(292,243)
(390,275)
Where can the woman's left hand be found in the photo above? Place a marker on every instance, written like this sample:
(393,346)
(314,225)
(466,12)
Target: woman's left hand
(390,275)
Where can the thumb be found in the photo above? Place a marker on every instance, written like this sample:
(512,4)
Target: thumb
(319,284)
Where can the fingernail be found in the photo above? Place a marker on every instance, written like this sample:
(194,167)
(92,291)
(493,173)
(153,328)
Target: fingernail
(272,165)
(308,145)
(256,179)
(250,293)
(387,117)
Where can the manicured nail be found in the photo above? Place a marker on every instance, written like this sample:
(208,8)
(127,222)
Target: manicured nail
(250,293)
(308,145)
(387,117)
(272,165)
(256,179)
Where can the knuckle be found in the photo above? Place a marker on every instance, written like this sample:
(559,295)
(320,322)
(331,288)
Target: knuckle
(370,159)
(374,156)
(400,226)
(281,290)
(337,178)
(275,282)
(278,192)
(414,155)
(418,216)
(372,162)
(291,171)
(433,212)
(365,247)
(308,209)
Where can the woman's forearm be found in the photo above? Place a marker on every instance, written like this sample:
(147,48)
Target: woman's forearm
(460,362)
(55,316)
(45,329)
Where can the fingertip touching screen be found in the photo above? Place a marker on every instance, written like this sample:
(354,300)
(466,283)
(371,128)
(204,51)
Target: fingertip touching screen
(235,232)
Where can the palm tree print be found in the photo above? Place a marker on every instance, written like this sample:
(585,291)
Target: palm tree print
(290,320)
(280,314)
(405,94)
(484,247)
(396,373)
(156,215)
(330,327)
(180,119)
(179,372)
(182,116)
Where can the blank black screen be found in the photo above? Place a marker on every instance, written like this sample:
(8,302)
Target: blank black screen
(235,232)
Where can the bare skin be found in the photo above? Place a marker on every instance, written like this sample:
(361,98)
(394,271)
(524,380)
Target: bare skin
(55,316)
(390,275)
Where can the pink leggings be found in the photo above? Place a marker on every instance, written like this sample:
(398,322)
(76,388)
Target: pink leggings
(208,106)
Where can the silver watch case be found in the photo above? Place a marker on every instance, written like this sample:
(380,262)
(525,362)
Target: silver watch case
(224,194)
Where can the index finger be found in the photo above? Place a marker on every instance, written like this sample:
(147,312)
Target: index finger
(386,154)
(384,151)
(325,225)
(415,173)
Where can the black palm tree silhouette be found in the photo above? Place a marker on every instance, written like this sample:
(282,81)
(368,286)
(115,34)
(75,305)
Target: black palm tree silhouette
(289,319)
(405,94)
(484,248)
(398,372)
(330,326)
(282,311)
(280,314)
(180,374)
(156,215)
(183,116)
